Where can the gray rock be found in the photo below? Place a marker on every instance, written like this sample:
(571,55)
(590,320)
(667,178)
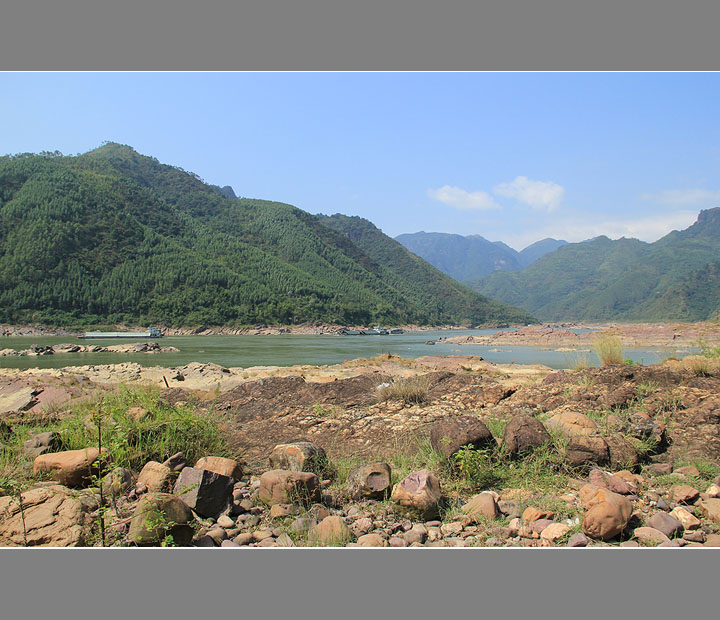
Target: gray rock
(668,525)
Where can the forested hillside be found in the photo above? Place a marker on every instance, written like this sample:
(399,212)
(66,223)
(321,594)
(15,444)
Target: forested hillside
(675,277)
(113,236)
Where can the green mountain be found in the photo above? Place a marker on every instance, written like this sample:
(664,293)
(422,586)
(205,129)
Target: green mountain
(471,257)
(674,278)
(113,236)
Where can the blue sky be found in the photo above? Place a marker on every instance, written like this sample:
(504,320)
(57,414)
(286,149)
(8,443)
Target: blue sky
(511,156)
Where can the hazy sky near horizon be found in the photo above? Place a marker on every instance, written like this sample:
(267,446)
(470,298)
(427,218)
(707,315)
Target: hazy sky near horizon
(514,157)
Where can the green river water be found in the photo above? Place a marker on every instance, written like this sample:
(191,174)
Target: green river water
(288,350)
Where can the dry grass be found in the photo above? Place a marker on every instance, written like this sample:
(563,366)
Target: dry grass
(609,349)
(410,390)
(700,366)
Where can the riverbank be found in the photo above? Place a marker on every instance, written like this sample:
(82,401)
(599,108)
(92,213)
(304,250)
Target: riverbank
(583,334)
(613,456)
(252,330)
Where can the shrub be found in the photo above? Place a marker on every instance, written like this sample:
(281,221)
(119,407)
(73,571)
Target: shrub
(609,349)
(700,366)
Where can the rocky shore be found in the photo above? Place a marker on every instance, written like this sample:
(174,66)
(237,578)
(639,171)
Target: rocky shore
(670,335)
(139,347)
(388,452)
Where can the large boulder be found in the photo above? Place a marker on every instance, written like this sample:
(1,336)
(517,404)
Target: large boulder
(156,477)
(221,465)
(206,492)
(371,481)
(608,513)
(449,435)
(572,424)
(523,434)
(418,494)
(581,451)
(72,468)
(281,486)
(161,518)
(53,518)
(298,456)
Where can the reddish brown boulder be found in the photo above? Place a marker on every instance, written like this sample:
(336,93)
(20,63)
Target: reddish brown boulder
(623,454)
(221,465)
(72,468)
(482,505)
(418,494)
(281,486)
(156,477)
(684,494)
(53,518)
(572,424)
(161,518)
(613,483)
(371,481)
(523,434)
(298,456)
(449,435)
(607,513)
(582,451)
(710,507)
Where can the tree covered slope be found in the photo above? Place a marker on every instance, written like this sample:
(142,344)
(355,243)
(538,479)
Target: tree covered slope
(113,236)
(675,277)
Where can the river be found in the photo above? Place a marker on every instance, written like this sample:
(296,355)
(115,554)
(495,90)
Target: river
(288,350)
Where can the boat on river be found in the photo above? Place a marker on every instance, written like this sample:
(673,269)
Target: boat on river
(152,332)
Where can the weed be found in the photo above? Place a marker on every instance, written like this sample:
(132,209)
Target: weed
(708,350)
(582,362)
(645,388)
(328,411)
(699,366)
(609,349)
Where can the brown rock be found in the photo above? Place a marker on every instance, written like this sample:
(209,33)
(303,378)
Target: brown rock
(554,531)
(616,484)
(221,465)
(331,531)
(607,513)
(418,494)
(53,518)
(623,454)
(582,451)
(372,540)
(298,456)
(371,481)
(159,516)
(650,535)
(535,514)
(138,413)
(177,462)
(72,468)
(449,435)
(666,524)
(659,469)
(712,540)
(572,424)
(482,505)
(711,509)
(118,482)
(156,477)
(684,494)
(280,511)
(523,434)
(688,520)
(42,443)
(281,486)
(688,470)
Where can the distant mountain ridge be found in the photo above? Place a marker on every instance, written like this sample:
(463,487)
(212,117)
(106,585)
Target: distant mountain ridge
(674,278)
(113,236)
(470,257)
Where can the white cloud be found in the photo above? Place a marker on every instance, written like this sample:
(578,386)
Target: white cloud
(684,197)
(461,199)
(541,195)
(649,228)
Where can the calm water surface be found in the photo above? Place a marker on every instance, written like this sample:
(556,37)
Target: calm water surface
(288,350)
